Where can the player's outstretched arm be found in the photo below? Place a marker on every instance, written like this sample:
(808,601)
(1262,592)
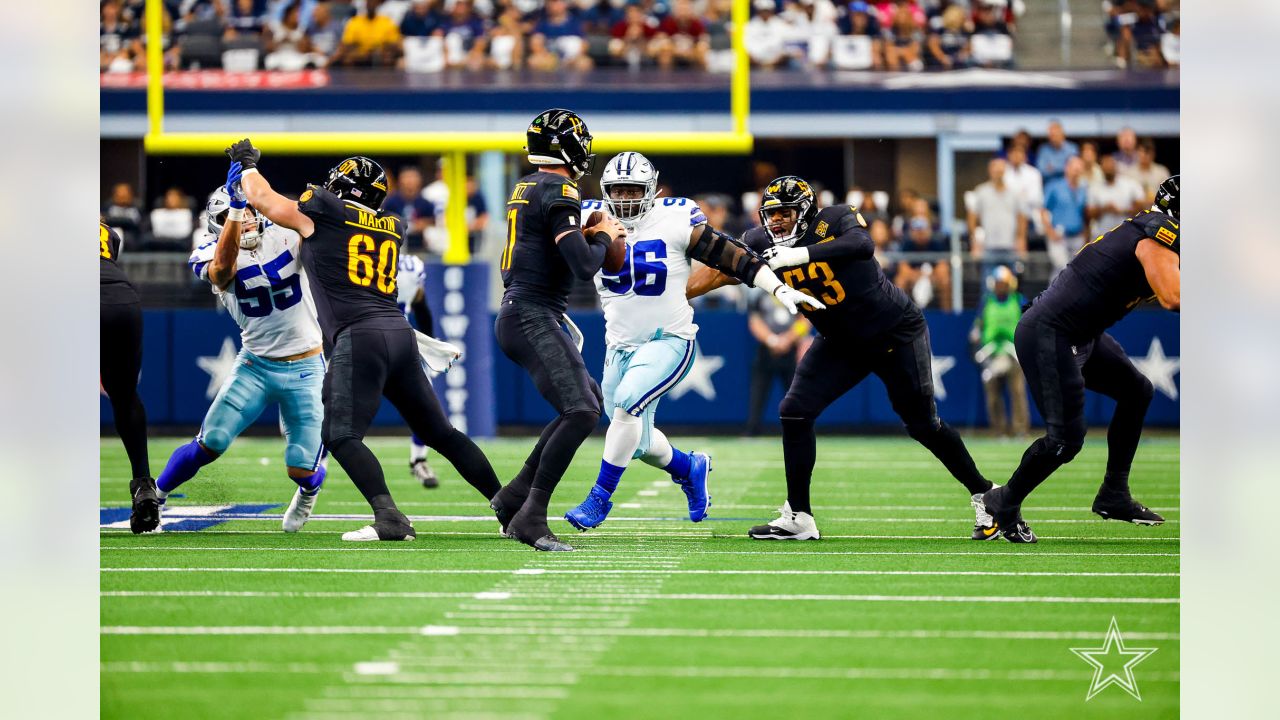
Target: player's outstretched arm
(1163,268)
(583,250)
(222,268)
(851,241)
(275,207)
(704,279)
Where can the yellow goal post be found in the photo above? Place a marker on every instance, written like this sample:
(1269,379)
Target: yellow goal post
(453,146)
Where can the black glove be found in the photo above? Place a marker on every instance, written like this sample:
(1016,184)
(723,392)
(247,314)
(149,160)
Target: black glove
(244,153)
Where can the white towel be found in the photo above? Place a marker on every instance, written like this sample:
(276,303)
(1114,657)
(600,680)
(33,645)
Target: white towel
(574,333)
(438,354)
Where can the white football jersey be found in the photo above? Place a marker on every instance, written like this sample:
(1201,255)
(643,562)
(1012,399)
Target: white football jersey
(647,296)
(411,273)
(269,297)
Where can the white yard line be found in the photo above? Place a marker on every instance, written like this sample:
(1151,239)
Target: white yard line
(630,571)
(666,535)
(642,632)
(612,555)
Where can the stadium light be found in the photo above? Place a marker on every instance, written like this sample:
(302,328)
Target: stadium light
(452,145)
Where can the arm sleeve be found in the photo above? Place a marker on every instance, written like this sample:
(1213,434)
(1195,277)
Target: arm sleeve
(851,240)
(583,256)
(712,247)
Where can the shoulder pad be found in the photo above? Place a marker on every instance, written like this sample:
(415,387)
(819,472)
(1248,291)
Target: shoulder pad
(1161,228)
(560,191)
(316,202)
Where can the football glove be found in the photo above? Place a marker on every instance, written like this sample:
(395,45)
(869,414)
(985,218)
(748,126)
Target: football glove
(244,153)
(234,191)
(780,256)
(792,299)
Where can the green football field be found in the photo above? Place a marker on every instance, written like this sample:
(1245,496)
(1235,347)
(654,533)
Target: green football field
(895,613)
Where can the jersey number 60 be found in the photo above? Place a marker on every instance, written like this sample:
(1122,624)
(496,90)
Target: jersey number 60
(360,264)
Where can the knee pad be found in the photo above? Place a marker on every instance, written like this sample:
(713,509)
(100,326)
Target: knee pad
(216,440)
(922,431)
(791,409)
(1145,391)
(1062,450)
(299,456)
(583,421)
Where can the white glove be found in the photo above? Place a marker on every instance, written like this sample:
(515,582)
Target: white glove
(792,299)
(780,256)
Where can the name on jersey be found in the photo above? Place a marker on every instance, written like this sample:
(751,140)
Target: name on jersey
(373,222)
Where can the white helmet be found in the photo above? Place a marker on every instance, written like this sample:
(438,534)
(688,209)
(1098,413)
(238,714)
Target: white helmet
(629,168)
(216,214)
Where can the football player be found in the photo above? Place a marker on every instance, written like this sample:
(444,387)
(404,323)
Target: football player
(869,326)
(411,298)
(1064,350)
(256,273)
(350,250)
(649,328)
(119,362)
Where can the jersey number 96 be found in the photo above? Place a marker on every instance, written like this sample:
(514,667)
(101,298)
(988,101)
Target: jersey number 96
(642,270)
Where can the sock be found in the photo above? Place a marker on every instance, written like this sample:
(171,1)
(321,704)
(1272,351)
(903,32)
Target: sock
(1123,435)
(1116,482)
(799,452)
(944,442)
(519,486)
(470,462)
(131,426)
(363,467)
(310,484)
(1038,463)
(680,465)
(573,430)
(183,465)
(609,476)
(418,451)
(660,453)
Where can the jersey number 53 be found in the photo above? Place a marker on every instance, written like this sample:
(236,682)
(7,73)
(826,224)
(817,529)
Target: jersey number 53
(816,280)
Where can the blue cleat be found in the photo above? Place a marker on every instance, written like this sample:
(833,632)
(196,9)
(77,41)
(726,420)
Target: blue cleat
(695,486)
(592,512)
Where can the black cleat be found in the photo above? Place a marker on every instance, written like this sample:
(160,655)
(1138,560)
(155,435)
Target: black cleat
(424,474)
(145,516)
(1008,518)
(529,526)
(505,505)
(1112,505)
(388,525)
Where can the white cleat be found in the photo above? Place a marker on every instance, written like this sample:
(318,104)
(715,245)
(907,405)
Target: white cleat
(790,526)
(369,533)
(984,526)
(299,511)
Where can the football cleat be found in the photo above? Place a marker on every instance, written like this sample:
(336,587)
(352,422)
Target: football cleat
(529,526)
(695,486)
(423,472)
(790,526)
(392,526)
(1113,505)
(984,526)
(145,515)
(505,505)
(592,512)
(1008,518)
(299,510)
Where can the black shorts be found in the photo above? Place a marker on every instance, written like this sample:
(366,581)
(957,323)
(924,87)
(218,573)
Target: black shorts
(830,369)
(1059,370)
(366,364)
(534,338)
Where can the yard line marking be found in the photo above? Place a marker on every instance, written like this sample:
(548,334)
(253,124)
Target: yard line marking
(321,518)
(634,571)
(599,555)
(663,535)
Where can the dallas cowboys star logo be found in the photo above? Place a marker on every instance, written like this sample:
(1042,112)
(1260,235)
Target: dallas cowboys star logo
(218,366)
(699,378)
(1113,652)
(1160,369)
(941,364)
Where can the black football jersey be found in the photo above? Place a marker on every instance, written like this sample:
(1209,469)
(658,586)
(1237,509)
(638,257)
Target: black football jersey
(115,288)
(532,268)
(861,302)
(351,261)
(1105,280)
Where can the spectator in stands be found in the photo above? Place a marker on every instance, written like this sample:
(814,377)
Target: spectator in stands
(369,39)
(780,337)
(904,38)
(717,208)
(767,35)
(926,278)
(1171,44)
(287,44)
(464,36)
(1052,156)
(682,38)
(813,26)
(861,19)
(507,39)
(1139,41)
(172,223)
(907,200)
(1063,215)
(997,227)
(866,204)
(343,10)
(630,36)
(558,38)
(477,214)
(1148,172)
(884,253)
(407,201)
(992,40)
(1126,154)
(119,40)
(1022,139)
(422,19)
(1089,155)
(324,32)
(1027,183)
(1117,197)
(248,18)
(887,10)
(949,42)
(992,338)
(123,214)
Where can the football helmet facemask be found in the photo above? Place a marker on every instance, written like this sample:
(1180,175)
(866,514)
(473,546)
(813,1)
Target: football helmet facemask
(785,192)
(629,169)
(1167,196)
(560,137)
(216,216)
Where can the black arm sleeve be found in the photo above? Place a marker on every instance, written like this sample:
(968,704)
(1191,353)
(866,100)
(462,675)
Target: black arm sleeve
(712,247)
(583,256)
(852,241)
(422,315)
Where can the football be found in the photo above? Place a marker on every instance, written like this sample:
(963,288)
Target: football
(616,255)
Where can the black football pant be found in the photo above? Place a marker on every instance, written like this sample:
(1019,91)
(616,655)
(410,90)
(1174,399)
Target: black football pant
(534,338)
(831,369)
(119,362)
(367,364)
(1058,371)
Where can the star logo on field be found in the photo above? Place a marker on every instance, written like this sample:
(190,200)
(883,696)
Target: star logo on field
(218,366)
(699,378)
(1113,663)
(1160,369)
(941,364)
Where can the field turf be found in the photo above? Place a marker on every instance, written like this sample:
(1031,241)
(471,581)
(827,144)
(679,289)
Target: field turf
(893,614)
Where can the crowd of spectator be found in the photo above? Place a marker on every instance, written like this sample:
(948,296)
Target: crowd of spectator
(1144,33)
(432,35)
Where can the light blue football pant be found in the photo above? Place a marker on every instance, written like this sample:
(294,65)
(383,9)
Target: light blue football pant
(256,382)
(635,379)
